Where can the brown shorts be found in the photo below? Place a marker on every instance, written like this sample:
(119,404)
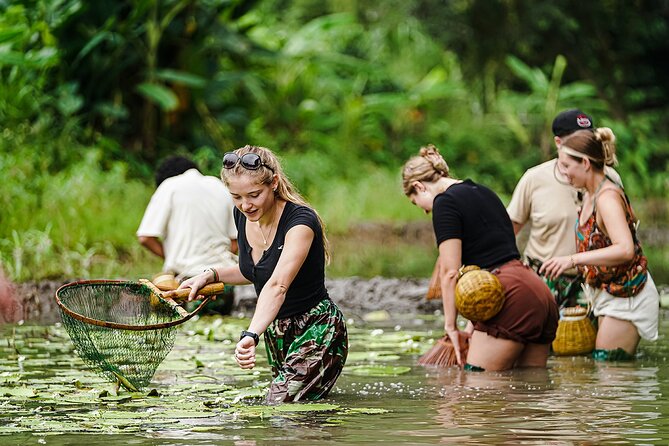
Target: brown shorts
(529,314)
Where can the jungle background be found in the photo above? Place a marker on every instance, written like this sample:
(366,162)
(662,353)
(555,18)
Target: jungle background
(94,94)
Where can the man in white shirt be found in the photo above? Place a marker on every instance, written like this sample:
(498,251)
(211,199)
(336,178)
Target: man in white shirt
(549,204)
(189,223)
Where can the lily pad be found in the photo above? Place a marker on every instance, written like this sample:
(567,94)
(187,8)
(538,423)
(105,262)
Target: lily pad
(4,430)
(177,365)
(377,370)
(250,393)
(18,392)
(366,410)
(376,316)
(384,356)
(183,414)
(308,407)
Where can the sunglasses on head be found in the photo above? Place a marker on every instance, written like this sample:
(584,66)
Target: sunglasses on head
(249,161)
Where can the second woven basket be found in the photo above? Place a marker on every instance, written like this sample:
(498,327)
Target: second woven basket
(575,333)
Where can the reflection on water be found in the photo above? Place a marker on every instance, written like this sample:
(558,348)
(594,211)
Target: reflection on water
(576,401)
(573,401)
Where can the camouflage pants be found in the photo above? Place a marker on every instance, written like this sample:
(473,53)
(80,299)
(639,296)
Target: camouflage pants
(566,289)
(307,353)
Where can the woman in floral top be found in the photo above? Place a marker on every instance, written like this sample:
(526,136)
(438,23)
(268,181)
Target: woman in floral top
(610,258)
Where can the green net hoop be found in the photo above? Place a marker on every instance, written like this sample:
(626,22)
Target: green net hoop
(123,330)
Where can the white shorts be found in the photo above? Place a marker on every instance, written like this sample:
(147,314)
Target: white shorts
(643,310)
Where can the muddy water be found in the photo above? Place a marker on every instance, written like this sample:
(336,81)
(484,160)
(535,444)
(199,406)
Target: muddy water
(47,396)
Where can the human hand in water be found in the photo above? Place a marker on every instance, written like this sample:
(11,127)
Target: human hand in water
(460,341)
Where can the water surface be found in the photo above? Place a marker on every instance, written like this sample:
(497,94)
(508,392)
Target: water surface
(48,396)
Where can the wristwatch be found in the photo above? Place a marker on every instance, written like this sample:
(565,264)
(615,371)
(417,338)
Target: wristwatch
(255,336)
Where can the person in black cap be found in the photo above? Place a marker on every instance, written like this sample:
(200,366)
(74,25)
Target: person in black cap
(545,201)
(569,121)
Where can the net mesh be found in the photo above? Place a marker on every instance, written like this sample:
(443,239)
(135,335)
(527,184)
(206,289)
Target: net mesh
(127,355)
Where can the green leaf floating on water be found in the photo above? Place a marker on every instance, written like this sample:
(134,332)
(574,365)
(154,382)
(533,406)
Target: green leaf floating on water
(376,370)
(267,411)
(253,392)
(366,410)
(176,365)
(180,414)
(311,407)
(9,377)
(18,392)
(116,399)
(376,316)
(384,356)
(4,430)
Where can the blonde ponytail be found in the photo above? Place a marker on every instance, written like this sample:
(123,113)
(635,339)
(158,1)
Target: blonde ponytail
(608,139)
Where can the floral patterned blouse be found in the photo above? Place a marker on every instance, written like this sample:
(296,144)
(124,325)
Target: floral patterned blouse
(624,280)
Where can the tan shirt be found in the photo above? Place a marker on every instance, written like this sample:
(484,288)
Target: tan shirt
(550,208)
(192,214)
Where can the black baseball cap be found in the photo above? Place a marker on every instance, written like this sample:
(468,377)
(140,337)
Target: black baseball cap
(571,120)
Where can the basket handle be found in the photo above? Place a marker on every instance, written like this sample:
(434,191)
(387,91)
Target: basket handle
(207,290)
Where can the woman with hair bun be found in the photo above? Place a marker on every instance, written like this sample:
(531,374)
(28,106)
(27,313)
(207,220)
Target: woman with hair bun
(618,285)
(472,227)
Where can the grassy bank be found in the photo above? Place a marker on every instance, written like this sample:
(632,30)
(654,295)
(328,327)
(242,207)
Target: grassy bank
(80,222)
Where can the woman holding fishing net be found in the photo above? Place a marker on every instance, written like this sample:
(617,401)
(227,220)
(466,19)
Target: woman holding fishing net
(472,227)
(282,251)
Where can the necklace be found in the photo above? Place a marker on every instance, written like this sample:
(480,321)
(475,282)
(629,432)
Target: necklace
(594,196)
(277,213)
(264,239)
(601,183)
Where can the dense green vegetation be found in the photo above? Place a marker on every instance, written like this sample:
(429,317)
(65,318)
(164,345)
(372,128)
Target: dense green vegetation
(94,94)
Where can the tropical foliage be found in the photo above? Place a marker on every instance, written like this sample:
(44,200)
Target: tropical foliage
(95,93)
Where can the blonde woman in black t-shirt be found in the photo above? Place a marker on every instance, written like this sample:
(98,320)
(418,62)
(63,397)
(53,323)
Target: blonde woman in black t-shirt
(282,252)
(472,227)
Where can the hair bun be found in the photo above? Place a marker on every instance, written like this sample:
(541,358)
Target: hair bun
(608,139)
(431,153)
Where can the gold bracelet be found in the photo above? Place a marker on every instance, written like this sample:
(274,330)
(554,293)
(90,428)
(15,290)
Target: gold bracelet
(573,264)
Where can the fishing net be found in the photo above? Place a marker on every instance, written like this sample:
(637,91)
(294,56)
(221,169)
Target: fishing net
(123,330)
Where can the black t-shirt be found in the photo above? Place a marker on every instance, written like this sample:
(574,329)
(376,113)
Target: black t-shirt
(308,287)
(475,214)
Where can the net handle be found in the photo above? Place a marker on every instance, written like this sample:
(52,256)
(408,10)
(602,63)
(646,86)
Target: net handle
(158,292)
(207,290)
(185,315)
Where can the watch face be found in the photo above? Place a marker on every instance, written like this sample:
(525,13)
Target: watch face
(245,333)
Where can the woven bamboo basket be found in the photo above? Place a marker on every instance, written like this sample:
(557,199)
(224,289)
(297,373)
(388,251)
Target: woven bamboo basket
(479,295)
(575,333)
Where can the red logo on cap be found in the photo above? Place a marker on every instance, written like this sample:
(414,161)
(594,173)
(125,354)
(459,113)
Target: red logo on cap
(583,121)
